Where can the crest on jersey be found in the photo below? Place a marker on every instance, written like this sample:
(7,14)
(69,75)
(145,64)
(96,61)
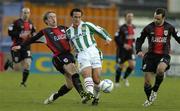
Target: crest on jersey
(178,34)
(30,26)
(62,30)
(65,60)
(165,32)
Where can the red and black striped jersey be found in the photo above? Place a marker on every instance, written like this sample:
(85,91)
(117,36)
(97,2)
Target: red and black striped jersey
(18,27)
(125,35)
(54,38)
(158,38)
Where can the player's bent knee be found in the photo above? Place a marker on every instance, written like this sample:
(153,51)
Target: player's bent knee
(69,85)
(70,68)
(161,70)
(27,64)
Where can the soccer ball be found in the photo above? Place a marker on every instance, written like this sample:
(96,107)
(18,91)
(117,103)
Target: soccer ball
(107,85)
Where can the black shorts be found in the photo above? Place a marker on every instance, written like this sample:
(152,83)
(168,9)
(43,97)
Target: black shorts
(123,56)
(151,61)
(19,55)
(62,59)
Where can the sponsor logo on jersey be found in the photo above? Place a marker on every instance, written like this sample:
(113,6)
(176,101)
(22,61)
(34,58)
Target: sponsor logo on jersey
(159,39)
(165,32)
(78,35)
(59,37)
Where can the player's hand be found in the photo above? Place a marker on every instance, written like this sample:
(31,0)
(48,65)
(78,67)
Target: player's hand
(15,48)
(107,42)
(140,54)
(127,47)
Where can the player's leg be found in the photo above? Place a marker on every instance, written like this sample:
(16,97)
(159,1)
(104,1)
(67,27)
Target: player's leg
(118,74)
(128,71)
(8,64)
(120,60)
(88,83)
(161,68)
(149,67)
(16,56)
(96,62)
(147,87)
(147,83)
(64,89)
(85,69)
(97,85)
(65,63)
(72,71)
(26,64)
(160,75)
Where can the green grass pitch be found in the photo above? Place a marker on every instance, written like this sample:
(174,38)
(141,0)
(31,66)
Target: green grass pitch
(40,86)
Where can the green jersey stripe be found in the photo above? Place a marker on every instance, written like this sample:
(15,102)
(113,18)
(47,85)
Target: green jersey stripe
(84,30)
(79,45)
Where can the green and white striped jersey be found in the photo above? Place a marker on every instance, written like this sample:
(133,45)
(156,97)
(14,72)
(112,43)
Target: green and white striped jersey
(83,36)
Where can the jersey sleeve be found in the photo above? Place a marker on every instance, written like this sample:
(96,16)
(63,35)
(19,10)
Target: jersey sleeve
(141,40)
(175,34)
(33,31)
(33,39)
(119,38)
(99,30)
(68,34)
(13,30)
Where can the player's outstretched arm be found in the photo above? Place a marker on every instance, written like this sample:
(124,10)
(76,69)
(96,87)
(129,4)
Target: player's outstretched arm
(99,30)
(33,39)
(176,34)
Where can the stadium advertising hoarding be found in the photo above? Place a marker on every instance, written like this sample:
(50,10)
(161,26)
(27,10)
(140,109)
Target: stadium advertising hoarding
(42,63)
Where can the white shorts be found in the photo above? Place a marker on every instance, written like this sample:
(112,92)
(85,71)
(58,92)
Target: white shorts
(90,57)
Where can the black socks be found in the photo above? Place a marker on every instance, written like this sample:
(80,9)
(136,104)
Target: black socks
(77,83)
(25,76)
(118,74)
(158,82)
(128,72)
(147,90)
(62,91)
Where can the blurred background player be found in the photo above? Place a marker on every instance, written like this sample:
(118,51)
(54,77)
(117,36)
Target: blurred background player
(89,57)
(55,38)
(21,30)
(124,39)
(157,59)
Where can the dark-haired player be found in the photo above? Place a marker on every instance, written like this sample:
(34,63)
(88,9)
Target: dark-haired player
(125,40)
(157,59)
